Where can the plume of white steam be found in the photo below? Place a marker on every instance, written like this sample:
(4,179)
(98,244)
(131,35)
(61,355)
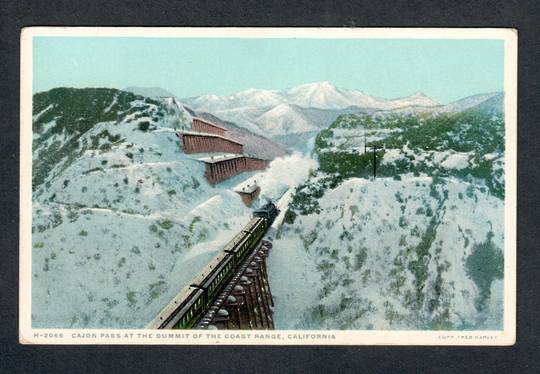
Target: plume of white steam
(283,173)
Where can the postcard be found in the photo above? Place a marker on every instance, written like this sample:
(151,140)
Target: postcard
(284,186)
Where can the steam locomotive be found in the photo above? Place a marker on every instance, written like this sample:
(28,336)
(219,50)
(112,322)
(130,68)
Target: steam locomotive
(190,304)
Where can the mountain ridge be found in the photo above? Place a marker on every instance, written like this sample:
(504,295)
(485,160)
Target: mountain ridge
(321,95)
(308,107)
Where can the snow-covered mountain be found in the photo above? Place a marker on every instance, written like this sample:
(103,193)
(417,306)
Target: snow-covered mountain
(494,100)
(305,108)
(416,99)
(261,119)
(419,247)
(321,95)
(248,98)
(324,95)
(284,119)
(122,218)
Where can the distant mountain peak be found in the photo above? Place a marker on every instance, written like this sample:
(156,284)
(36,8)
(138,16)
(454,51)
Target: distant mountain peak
(210,97)
(252,90)
(416,99)
(323,95)
(321,85)
(282,107)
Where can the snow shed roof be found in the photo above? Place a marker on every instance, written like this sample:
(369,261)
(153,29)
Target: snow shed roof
(211,159)
(248,189)
(209,123)
(205,134)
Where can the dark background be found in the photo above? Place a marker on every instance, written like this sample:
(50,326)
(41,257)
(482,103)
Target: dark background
(523,357)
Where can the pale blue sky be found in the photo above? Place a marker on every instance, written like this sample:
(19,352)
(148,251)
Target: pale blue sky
(445,70)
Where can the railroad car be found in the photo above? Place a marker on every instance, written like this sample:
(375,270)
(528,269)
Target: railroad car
(182,312)
(253,231)
(214,275)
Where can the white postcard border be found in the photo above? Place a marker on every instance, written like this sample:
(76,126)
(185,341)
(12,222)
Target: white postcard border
(29,335)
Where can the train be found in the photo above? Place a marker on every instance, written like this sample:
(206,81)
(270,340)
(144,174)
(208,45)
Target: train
(190,304)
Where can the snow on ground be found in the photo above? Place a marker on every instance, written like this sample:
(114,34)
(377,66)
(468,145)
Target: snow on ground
(101,267)
(456,161)
(111,104)
(293,280)
(351,266)
(353,139)
(36,116)
(392,156)
(284,119)
(98,268)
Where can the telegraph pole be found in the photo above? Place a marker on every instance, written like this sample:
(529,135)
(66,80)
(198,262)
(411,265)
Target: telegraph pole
(365,144)
(374,161)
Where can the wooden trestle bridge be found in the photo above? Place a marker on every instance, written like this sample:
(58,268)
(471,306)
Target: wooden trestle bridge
(246,301)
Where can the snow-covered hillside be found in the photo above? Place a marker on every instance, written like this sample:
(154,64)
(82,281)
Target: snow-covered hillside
(122,218)
(282,120)
(494,100)
(390,254)
(419,247)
